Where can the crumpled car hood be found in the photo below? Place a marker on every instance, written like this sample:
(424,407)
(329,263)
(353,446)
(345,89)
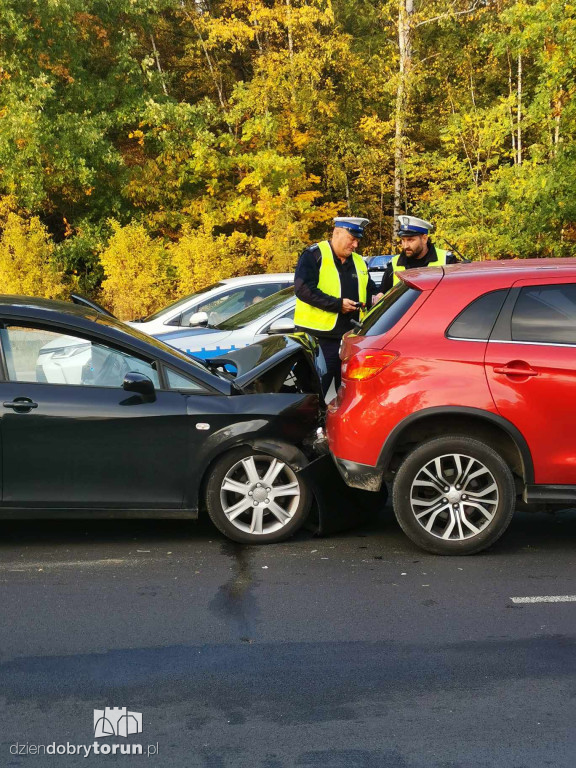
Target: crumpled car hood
(278,363)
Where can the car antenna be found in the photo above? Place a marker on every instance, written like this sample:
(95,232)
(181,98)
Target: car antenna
(452,247)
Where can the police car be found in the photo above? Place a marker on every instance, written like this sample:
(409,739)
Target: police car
(219,300)
(274,314)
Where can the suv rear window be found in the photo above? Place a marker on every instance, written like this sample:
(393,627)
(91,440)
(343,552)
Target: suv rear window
(546,314)
(477,320)
(389,310)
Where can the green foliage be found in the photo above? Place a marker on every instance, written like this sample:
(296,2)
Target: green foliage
(79,254)
(221,137)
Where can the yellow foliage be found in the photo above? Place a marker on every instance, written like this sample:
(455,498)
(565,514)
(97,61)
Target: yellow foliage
(301,139)
(137,135)
(26,250)
(200,258)
(8,204)
(135,266)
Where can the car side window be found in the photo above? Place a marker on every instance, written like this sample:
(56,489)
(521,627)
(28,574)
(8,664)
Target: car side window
(182,383)
(476,321)
(49,357)
(546,314)
(229,303)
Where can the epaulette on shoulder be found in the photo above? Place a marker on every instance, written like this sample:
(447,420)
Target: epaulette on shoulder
(314,250)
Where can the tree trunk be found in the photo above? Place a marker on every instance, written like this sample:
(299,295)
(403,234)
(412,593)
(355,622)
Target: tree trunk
(289,27)
(510,113)
(557,112)
(405,12)
(519,111)
(158,65)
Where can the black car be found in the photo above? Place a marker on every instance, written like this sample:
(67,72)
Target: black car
(101,420)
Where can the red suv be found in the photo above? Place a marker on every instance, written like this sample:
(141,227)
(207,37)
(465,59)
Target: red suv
(458,388)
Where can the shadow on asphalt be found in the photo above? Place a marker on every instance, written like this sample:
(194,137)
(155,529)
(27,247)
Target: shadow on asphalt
(544,531)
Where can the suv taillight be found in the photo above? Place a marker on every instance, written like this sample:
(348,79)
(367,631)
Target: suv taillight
(366,364)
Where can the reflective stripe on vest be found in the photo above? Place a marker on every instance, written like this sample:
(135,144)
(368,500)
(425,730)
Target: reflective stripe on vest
(317,319)
(440,262)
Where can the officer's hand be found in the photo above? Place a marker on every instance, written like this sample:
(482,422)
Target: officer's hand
(377,298)
(348,306)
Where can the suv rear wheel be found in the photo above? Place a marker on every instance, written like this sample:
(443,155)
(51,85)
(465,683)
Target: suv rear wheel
(454,495)
(256,498)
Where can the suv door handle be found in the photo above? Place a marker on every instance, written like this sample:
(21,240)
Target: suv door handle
(511,370)
(21,404)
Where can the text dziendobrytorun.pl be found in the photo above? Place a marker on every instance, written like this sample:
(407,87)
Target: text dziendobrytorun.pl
(84,750)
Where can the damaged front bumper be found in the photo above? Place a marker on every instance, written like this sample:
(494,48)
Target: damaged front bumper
(282,364)
(339,507)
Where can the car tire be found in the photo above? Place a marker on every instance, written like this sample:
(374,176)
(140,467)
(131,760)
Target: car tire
(454,495)
(249,508)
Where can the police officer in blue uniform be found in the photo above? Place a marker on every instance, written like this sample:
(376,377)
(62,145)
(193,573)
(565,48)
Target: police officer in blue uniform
(417,251)
(333,289)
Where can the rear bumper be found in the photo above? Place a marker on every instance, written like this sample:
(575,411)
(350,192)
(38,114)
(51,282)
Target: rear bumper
(363,476)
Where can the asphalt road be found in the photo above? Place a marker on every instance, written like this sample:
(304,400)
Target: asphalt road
(355,650)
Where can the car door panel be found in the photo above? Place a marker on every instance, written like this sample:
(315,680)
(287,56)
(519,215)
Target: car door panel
(71,434)
(533,382)
(85,446)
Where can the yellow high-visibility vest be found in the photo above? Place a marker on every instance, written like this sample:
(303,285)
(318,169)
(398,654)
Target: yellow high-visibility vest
(440,262)
(317,319)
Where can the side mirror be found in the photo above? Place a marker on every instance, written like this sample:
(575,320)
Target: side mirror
(139,383)
(282,325)
(198,318)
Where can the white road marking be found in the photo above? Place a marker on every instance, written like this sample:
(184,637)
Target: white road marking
(545,599)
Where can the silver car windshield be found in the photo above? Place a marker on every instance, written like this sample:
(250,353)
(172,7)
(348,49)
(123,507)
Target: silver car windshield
(255,311)
(181,302)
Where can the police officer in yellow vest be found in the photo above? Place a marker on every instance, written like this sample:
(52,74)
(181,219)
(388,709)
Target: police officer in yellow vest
(417,250)
(332,289)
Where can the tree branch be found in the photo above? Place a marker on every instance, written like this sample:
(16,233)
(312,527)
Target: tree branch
(159,67)
(217,84)
(472,8)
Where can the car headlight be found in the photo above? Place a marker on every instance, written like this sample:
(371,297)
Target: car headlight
(65,352)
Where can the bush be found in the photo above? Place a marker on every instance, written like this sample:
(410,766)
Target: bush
(27,258)
(200,258)
(136,270)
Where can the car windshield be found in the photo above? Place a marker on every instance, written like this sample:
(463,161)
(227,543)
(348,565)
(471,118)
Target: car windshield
(255,311)
(181,302)
(378,261)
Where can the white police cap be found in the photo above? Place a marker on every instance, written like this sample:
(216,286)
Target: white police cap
(354,225)
(410,225)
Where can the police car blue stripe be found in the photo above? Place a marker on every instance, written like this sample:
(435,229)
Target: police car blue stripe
(204,353)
